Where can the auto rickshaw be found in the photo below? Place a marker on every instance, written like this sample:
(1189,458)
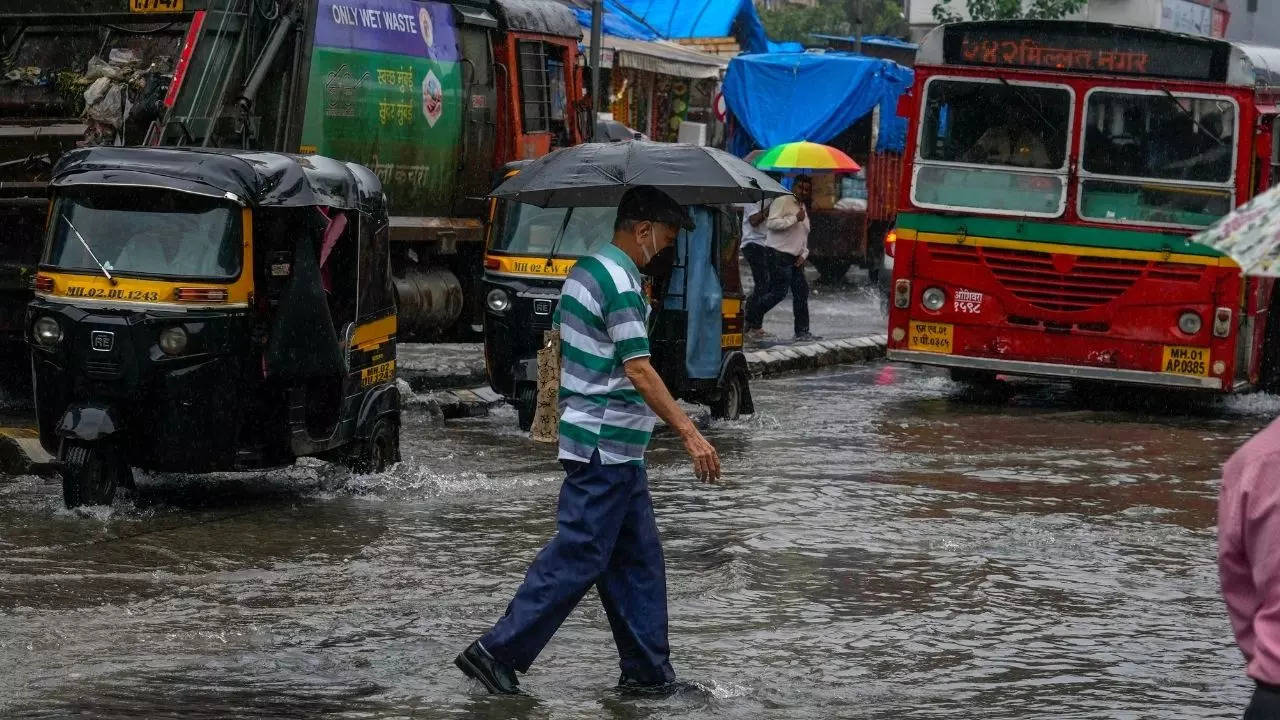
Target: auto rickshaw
(697,318)
(202,311)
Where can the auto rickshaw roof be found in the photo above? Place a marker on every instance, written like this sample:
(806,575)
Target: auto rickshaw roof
(260,179)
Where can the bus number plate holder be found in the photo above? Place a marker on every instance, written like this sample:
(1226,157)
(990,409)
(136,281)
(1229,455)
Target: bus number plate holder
(930,337)
(1182,360)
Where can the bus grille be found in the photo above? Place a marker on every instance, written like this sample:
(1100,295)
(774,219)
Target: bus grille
(1069,283)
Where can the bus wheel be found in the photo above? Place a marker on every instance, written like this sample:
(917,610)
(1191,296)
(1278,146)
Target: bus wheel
(729,406)
(91,474)
(380,451)
(526,405)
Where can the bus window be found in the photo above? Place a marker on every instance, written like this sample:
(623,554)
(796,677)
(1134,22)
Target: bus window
(991,145)
(1132,138)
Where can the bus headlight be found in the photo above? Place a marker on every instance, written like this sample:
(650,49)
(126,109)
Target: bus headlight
(173,340)
(46,331)
(1222,322)
(1189,323)
(933,299)
(498,301)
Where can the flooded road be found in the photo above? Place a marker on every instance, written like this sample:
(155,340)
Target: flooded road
(884,548)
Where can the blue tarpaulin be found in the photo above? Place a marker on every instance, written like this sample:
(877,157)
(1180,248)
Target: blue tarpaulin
(881,40)
(615,21)
(787,97)
(708,18)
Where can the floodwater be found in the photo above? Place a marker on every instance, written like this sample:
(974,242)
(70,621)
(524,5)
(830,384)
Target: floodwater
(884,547)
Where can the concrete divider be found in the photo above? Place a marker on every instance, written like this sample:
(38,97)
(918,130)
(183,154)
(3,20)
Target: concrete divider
(448,381)
(767,361)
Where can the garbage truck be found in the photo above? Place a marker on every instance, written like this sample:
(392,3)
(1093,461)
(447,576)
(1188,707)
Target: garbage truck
(434,97)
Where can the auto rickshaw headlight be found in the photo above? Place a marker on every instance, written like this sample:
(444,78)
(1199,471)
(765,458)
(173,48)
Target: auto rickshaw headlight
(46,331)
(173,340)
(498,301)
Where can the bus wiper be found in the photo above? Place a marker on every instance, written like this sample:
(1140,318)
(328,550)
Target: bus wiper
(1028,103)
(568,213)
(88,249)
(1187,114)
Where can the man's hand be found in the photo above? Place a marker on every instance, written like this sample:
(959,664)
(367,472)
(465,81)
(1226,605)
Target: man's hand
(800,259)
(706,463)
(756,218)
(800,216)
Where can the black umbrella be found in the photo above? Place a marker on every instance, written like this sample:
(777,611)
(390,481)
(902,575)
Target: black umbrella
(598,174)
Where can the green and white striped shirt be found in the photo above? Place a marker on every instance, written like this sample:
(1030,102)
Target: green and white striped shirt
(602,320)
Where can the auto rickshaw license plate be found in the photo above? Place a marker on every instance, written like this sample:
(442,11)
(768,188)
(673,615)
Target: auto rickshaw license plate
(1182,360)
(930,337)
(378,374)
(155,6)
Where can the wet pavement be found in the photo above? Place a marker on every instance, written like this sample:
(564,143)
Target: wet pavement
(885,546)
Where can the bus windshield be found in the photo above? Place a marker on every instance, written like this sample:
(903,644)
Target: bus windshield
(993,145)
(144,232)
(531,230)
(1151,157)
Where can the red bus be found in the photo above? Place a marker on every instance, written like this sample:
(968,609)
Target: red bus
(1056,171)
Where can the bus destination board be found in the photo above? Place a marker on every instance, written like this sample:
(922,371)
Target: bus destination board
(1073,47)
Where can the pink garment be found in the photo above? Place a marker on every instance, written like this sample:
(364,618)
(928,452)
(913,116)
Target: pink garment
(333,230)
(1249,551)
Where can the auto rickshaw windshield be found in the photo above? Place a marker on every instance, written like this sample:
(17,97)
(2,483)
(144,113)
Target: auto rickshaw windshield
(532,230)
(136,231)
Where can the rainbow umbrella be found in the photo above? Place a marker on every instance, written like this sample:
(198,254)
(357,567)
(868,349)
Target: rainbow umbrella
(805,156)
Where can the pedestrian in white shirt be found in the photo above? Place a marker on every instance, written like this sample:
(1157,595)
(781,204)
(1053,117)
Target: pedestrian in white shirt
(753,247)
(787,246)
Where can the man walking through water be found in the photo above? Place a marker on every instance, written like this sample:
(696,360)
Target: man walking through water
(605,530)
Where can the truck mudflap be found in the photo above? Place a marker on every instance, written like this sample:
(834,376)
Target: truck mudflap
(1055,370)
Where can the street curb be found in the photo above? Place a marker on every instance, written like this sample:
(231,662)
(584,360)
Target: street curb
(462,402)
(454,396)
(808,356)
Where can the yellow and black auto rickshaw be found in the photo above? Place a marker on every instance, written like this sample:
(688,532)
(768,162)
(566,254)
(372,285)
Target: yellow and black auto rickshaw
(695,327)
(201,311)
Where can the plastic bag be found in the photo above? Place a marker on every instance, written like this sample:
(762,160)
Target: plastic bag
(104,102)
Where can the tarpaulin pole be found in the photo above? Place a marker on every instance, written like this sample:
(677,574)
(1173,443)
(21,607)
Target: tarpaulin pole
(597,13)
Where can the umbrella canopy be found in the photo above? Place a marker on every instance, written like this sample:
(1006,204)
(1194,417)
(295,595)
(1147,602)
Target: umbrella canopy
(1249,235)
(598,174)
(806,156)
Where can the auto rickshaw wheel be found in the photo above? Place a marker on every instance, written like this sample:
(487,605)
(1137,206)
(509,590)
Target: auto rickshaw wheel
(381,450)
(526,405)
(91,474)
(729,406)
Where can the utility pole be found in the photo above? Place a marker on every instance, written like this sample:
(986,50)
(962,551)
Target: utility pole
(857,24)
(597,13)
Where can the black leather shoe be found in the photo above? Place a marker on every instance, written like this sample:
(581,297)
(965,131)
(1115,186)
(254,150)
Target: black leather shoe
(664,689)
(478,664)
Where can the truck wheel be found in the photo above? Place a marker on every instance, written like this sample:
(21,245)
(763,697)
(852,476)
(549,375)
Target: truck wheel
(832,270)
(526,405)
(380,451)
(90,475)
(729,406)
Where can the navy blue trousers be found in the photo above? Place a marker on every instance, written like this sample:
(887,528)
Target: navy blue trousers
(605,536)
